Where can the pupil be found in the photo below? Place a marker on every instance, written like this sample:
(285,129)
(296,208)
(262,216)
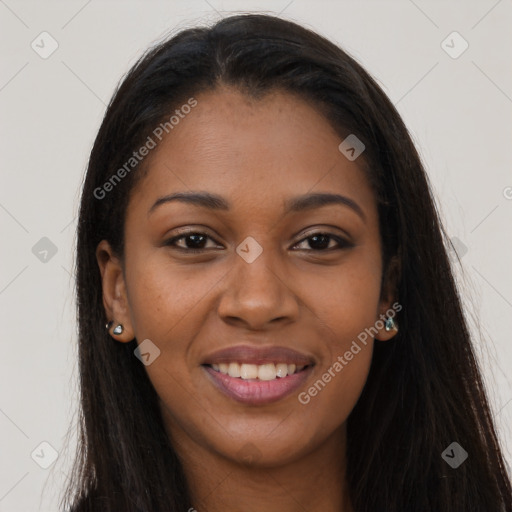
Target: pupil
(196,240)
(324,241)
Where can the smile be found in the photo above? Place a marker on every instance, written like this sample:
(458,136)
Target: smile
(257,384)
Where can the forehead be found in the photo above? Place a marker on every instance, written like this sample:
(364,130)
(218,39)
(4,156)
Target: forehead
(254,151)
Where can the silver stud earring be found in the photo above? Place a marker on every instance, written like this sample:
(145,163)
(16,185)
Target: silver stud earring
(118,329)
(390,324)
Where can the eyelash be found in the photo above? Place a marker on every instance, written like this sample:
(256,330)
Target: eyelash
(342,243)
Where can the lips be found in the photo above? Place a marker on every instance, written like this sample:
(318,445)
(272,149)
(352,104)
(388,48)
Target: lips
(257,388)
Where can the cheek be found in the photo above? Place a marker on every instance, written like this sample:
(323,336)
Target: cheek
(168,306)
(345,307)
(165,298)
(344,302)
(334,390)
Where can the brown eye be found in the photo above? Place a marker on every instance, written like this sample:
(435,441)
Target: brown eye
(193,241)
(321,241)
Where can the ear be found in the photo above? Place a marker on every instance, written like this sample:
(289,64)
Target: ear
(388,305)
(115,300)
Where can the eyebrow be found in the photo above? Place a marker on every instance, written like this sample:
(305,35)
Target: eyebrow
(294,204)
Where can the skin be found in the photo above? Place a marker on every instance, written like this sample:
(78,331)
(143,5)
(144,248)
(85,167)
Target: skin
(256,154)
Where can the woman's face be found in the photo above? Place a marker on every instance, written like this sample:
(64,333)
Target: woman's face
(271,285)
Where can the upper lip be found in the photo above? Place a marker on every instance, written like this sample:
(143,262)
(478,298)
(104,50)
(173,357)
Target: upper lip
(258,355)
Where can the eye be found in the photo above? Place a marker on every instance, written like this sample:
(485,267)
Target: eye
(320,242)
(194,241)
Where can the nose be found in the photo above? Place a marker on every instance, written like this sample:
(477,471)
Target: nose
(258,295)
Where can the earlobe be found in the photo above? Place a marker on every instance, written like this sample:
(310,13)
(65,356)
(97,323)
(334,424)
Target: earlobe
(115,299)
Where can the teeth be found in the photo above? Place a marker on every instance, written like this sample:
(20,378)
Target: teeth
(282,370)
(233,370)
(269,371)
(248,371)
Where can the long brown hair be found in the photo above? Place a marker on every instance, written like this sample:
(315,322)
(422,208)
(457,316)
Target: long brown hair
(424,390)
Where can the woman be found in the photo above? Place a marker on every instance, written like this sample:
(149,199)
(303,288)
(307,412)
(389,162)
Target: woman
(267,314)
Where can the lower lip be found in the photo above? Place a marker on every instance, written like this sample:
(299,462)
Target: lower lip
(257,392)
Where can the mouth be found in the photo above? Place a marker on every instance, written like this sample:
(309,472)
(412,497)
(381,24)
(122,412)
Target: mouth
(253,384)
(256,375)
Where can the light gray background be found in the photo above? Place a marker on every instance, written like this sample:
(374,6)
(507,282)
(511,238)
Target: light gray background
(458,111)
